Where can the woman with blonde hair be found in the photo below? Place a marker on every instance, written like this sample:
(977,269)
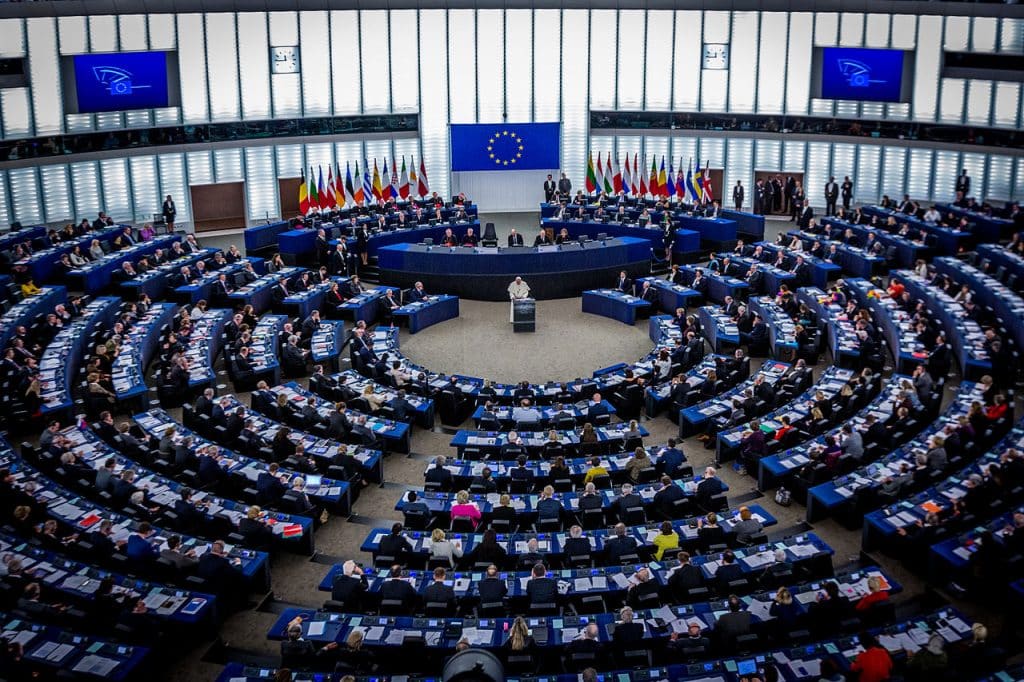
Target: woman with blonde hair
(463,507)
(370,396)
(353,658)
(784,609)
(441,547)
(519,638)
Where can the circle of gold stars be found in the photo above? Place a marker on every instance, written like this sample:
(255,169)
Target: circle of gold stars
(499,161)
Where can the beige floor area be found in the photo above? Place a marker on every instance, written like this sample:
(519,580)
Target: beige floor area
(567,344)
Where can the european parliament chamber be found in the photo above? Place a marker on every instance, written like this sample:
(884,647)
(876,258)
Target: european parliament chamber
(511,341)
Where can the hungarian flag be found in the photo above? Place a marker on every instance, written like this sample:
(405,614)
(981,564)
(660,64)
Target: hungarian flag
(350,189)
(643,179)
(591,182)
(324,197)
(403,185)
(627,180)
(314,198)
(652,184)
(617,177)
(708,194)
(670,182)
(424,187)
(609,177)
(662,180)
(382,184)
(303,195)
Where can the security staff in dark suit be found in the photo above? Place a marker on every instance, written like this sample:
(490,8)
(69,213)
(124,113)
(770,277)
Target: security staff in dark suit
(737,195)
(963,183)
(549,189)
(804,221)
(564,186)
(847,192)
(831,196)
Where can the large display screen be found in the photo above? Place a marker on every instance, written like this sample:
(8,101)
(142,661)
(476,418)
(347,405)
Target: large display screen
(120,81)
(860,74)
(505,146)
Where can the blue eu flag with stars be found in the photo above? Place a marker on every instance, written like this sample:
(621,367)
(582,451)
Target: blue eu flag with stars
(505,146)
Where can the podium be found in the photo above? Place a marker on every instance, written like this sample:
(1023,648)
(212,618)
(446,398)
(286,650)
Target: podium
(524,315)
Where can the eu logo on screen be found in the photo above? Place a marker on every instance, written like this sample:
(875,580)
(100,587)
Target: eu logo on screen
(505,146)
(859,74)
(121,81)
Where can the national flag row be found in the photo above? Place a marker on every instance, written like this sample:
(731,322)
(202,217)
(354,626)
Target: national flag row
(361,188)
(633,179)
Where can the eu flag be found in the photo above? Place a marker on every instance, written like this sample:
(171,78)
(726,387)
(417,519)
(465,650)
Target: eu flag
(505,146)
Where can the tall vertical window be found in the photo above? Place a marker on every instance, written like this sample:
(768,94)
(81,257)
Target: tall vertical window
(461,66)
(739,168)
(743,62)
(5,217)
(490,65)
(603,40)
(819,168)
(192,64)
(44,76)
(798,65)
(768,155)
(631,72)
(86,187)
(919,174)
(927,67)
(291,161)
(146,199)
(975,165)
(547,74)
(315,63)
(1007,104)
(947,168)
(200,168)
(116,189)
(254,64)
(770,91)
(869,159)
(405,96)
(132,31)
(434,97)
(222,65)
(658,89)
(894,160)
(1000,177)
(575,62)
(346,75)
(56,192)
(687,72)
(519,64)
(25,196)
(260,183)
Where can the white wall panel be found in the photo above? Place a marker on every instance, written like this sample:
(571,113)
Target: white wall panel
(894,160)
(116,189)
(15,106)
(74,36)
(194,105)
(1007,104)
(405,92)
(260,184)
(376,62)
(173,181)
(687,72)
(904,31)
(819,168)
(315,61)
(461,66)
(227,165)
(200,168)
(575,61)
(285,87)
(714,85)
(975,165)
(743,73)
(56,193)
(951,100)
(490,65)
(984,34)
(1000,177)
(222,66)
(798,64)
(346,75)
(132,29)
(547,66)
(603,38)
(866,189)
(771,89)
(658,51)
(434,88)
(85,184)
(979,102)
(102,33)
(146,198)
(947,168)
(826,27)
(851,29)
(739,168)
(27,208)
(919,174)
(519,72)
(927,67)
(254,64)
(876,30)
(44,76)
(162,34)
(630,72)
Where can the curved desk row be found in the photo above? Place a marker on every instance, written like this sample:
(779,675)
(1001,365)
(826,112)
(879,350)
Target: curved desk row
(552,272)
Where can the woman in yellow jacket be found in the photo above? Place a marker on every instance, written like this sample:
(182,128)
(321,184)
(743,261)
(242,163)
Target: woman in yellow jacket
(665,540)
(29,288)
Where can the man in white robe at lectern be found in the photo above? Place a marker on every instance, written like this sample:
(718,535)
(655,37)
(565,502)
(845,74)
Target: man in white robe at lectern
(517,290)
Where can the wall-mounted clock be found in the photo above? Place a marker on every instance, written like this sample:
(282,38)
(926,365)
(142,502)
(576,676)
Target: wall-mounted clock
(716,56)
(284,59)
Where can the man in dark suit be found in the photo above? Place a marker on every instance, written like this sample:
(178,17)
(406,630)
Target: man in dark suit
(491,589)
(685,577)
(728,570)
(401,407)
(204,403)
(596,408)
(709,487)
(831,196)
(338,264)
(269,486)
(737,195)
(522,473)
(189,517)
(550,187)
(804,221)
(349,586)
(620,544)
(437,592)
(439,475)
(802,272)
(397,588)
(541,589)
(395,544)
(624,283)
(758,336)
(219,570)
(963,184)
(627,500)
(733,624)
(667,496)
(564,186)
(576,545)
(514,238)
(847,192)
